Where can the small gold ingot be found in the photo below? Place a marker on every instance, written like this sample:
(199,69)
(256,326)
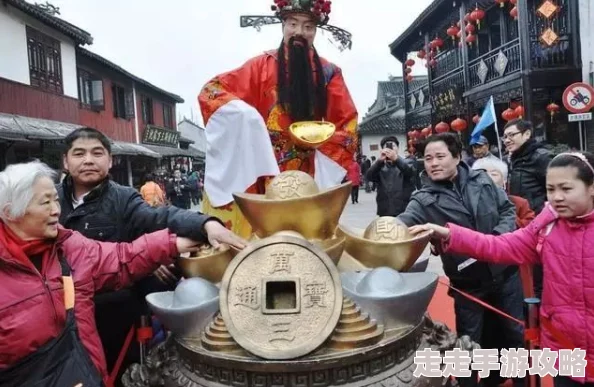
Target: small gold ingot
(311,134)
(399,254)
(315,217)
(208,263)
(387,229)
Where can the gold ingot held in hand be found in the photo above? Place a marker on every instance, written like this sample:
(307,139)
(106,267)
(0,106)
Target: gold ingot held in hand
(311,134)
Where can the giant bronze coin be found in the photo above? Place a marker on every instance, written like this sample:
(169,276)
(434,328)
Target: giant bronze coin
(281,297)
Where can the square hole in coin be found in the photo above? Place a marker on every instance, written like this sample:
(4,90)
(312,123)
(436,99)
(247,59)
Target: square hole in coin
(281,296)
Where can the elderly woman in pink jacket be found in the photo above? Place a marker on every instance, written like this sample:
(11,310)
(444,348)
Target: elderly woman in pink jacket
(561,239)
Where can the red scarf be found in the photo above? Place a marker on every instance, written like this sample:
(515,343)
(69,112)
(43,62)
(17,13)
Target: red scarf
(21,250)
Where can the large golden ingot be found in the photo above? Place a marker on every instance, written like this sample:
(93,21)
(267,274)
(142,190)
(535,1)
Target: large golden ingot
(311,134)
(315,216)
(208,263)
(388,246)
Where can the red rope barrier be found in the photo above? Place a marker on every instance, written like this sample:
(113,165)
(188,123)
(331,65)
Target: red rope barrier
(123,351)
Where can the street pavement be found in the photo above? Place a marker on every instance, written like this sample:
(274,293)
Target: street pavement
(361,214)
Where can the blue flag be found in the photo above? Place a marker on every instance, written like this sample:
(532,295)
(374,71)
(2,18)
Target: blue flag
(487,119)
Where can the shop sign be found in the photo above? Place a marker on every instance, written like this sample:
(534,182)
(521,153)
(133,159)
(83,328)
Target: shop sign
(153,135)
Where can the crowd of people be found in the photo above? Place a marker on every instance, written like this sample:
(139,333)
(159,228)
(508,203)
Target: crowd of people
(498,225)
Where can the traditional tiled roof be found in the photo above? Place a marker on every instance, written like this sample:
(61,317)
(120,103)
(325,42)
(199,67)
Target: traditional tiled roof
(117,68)
(77,34)
(390,121)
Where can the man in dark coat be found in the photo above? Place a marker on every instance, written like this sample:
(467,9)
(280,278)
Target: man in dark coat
(103,210)
(393,177)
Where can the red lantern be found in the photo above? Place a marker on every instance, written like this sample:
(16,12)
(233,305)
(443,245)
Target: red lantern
(409,78)
(421,54)
(437,43)
(509,114)
(453,32)
(442,127)
(470,39)
(410,143)
(410,62)
(476,119)
(408,70)
(426,132)
(519,111)
(459,125)
(514,13)
(470,28)
(411,150)
(513,2)
(477,15)
(553,109)
(467,18)
(501,2)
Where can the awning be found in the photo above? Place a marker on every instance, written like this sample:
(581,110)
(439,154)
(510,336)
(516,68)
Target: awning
(167,151)
(120,148)
(20,128)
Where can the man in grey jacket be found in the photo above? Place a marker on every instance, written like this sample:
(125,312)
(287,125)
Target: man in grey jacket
(452,192)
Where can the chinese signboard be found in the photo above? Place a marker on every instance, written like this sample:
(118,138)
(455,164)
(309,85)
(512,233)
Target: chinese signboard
(154,135)
(447,101)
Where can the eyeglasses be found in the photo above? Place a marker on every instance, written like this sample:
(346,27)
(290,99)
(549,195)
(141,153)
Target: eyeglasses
(510,135)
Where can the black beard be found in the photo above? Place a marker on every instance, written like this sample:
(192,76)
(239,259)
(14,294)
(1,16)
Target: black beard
(301,92)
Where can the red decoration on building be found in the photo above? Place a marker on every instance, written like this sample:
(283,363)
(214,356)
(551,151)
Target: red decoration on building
(553,109)
(519,111)
(453,31)
(409,78)
(470,28)
(410,62)
(437,43)
(459,125)
(470,39)
(477,15)
(442,127)
(426,132)
(514,13)
(509,114)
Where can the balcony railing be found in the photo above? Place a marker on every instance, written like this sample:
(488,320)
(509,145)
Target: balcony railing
(495,64)
(447,61)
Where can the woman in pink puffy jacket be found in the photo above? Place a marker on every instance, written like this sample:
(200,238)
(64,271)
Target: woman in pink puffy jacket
(561,239)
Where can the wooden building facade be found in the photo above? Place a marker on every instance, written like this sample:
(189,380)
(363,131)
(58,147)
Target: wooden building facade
(523,53)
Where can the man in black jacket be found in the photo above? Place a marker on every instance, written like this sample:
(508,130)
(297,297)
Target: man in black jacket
(393,177)
(452,192)
(103,210)
(527,174)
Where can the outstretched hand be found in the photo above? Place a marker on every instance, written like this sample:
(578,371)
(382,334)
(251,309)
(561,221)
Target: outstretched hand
(217,234)
(437,232)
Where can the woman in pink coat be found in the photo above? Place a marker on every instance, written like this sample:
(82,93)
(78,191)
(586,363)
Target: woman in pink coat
(561,239)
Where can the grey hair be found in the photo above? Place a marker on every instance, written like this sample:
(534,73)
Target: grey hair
(16,187)
(491,163)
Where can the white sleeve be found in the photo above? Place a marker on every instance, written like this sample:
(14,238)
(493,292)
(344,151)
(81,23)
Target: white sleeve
(238,151)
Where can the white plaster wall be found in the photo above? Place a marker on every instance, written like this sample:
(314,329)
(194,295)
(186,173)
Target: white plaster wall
(375,139)
(586,15)
(14,61)
(69,75)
